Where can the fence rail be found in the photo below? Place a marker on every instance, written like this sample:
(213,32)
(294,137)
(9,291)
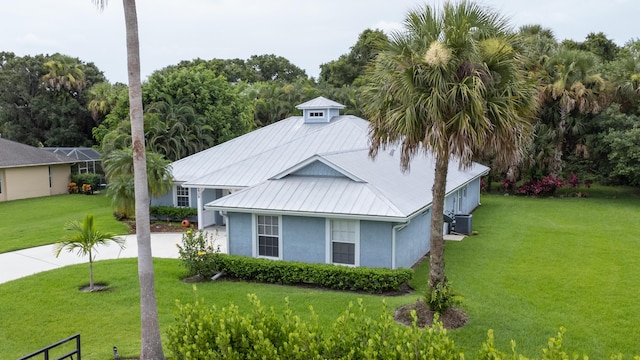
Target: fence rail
(69,355)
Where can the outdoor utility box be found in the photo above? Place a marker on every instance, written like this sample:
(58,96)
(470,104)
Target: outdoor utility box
(463,224)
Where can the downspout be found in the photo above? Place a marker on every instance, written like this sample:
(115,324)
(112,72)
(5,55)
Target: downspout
(200,210)
(394,230)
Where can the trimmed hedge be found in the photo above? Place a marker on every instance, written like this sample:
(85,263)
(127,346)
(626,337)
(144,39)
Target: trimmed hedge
(336,277)
(172,213)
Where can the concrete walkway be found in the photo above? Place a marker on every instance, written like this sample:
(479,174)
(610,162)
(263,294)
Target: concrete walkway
(21,263)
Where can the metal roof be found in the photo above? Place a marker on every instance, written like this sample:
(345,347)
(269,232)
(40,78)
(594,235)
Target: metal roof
(383,190)
(251,160)
(79,153)
(14,154)
(320,103)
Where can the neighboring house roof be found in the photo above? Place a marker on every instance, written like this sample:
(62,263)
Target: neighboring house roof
(352,185)
(14,154)
(79,153)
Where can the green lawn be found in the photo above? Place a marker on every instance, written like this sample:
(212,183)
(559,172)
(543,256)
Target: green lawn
(40,221)
(536,265)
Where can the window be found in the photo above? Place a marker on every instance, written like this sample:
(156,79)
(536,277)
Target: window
(316,114)
(182,197)
(1,175)
(268,235)
(343,242)
(50,179)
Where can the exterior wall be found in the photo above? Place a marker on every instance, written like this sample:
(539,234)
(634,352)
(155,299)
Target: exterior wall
(60,177)
(33,181)
(3,186)
(239,233)
(212,217)
(303,239)
(164,200)
(375,244)
(412,242)
(473,196)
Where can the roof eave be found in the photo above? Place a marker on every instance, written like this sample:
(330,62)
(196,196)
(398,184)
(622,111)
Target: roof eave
(401,219)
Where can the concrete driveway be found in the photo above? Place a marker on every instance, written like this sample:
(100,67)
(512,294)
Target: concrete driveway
(21,263)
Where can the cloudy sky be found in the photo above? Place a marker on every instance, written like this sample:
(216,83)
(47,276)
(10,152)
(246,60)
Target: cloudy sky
(307,32)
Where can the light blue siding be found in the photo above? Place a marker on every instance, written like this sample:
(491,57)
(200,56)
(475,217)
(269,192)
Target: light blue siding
(412,242)
(375,244)
(303,239)
(473,196)
(240,232)
(317,168)
(164,200)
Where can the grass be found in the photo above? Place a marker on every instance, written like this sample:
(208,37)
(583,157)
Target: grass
(536,265)
(41,309)
(539,264)
(40,221)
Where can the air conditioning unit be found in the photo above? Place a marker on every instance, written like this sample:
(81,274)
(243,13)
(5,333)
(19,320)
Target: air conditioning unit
(463,224)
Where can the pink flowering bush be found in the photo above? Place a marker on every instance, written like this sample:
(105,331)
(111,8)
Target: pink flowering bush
(546,186)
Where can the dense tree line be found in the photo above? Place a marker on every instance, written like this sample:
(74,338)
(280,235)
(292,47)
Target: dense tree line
(587,121)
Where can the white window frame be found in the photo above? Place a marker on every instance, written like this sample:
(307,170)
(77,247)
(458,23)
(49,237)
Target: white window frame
(316,114)
(256,234)
(329,241)
(178,195)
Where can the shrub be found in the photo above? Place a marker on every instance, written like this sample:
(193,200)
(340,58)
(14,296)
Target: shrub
(93,180)
(203,332)
(172,213)
(546,186)
(200,256)
(195,250)
(441,298)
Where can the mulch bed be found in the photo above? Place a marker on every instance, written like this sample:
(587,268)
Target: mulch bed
(160,227)
(452,318)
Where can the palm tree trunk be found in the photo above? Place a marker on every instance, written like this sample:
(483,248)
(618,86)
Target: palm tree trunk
(90,273)
(151,342)
(436,252)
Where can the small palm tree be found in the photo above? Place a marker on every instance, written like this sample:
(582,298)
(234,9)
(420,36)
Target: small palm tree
(84,239)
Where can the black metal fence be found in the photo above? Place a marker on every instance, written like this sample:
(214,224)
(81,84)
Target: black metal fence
(67,356)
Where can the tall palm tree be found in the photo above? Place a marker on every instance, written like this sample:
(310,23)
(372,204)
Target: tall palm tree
(450,84)
(151,341)
(573,89)
(84,241)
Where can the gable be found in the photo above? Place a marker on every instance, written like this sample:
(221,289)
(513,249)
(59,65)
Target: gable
(318,168)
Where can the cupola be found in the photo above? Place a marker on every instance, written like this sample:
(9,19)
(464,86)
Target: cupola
(319,110)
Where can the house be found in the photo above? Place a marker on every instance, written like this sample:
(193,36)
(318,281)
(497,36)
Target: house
(305,189)
(27,171)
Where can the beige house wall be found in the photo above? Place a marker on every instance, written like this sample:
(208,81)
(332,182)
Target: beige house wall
(3,186)
(33,181)
(60,178)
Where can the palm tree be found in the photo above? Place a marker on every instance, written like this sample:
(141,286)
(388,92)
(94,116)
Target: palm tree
(573,89)
(64,73)
(84,240)
(151,341)
(450,84)
(176,130)
(119,171)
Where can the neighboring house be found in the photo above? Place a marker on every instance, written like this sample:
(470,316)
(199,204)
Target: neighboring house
(87,159)
(305,189)
(27,172)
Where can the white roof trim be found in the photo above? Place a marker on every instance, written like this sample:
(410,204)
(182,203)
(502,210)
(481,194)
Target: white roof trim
(319,103)
(307,214)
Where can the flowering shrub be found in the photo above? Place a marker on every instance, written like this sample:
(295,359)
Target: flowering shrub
(195,251)
(573,180)
(86,189)
(508,185)
(541,187)
(72,188)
